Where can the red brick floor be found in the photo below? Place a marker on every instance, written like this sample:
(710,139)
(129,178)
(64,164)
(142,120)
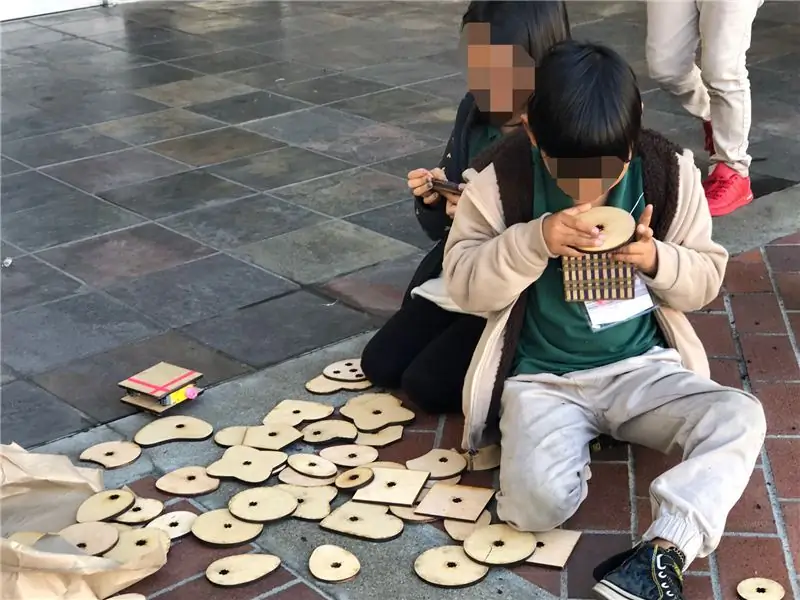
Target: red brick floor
(751,333)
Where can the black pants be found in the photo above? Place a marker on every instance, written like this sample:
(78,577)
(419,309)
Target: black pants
(424,351)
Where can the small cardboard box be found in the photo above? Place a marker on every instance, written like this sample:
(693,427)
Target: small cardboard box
(160,380)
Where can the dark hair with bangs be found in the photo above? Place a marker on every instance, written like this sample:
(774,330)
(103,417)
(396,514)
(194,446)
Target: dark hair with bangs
(587,103)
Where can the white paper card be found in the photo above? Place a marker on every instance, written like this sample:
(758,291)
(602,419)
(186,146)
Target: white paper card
(605,313)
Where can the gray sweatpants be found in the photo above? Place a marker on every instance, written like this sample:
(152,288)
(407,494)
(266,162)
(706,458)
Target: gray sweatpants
(548,421)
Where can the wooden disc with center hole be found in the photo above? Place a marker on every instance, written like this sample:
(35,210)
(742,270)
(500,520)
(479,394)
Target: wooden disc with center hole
(364,521)
(448,567)
(399,487)
(220,528)
(246,464)
(313,503)
(104,505)
(312,465)
(274,436)
(142,511)
(363,399)
(93,538)
(27,538)
(758,588)
(350,455)
(261,505)
(137,542)
(294,412)
(187,481)
(449,481)
(499,545)
(173,429)
(461,530)
(333,564)
(381,439)
(121,526)
(292,477)
(230,436)
(617,226)
(407,512)
(345,370)
(386,464)
(326,432)
(440,463)
(377,413)
(176,524)
(486,459)
(241,569)
(322,385)
(354,479)
(112,455)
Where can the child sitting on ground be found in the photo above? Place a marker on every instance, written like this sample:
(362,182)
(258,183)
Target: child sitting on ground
(551,380)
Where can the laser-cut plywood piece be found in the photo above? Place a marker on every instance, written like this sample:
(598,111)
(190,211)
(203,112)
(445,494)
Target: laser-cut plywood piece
(363,399)
(179,428)
(321,385)
(364,521)
(329,431)
(231,436)
(112,455)
(381,439)
(142,511)
(486,459)
(175,524)
(246,464)
(187,481)
(26,538)
(333,564)
(313,503)
(449,567)
(379,412)
(461,530)
(291,477)
(407,512)
(553,548)
(294,412)
(441,464)
(399,487)
(273,436)
(459,502)
(93,538)
(137,542)
(348,371)
(262,505)
(105,505)
(448,481)
(220,528)
(354,479)
(350,455)
(758,588)
(241,569)
(499,545)
(312,465)
(386,464)
(128,597)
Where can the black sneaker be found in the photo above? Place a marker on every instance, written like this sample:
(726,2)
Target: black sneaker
(649,573)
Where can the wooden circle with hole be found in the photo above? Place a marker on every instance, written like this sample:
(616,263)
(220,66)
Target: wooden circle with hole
(364,521)
(173,429)
(321,385)
(104,505)
(758,588)
(486,459)
(440,463)
(121,526)
(618,227)
(294,412)
(381,439)
(128,597)
(176,524)
(246,464)
(92,538)
(220,528)
(261,505)
(313,503)
(112,455)
(137,542)
(274,436)
(386,464)
(292,477)
(350,455)
(499,545)
(326,432)
(363,399)
(448,567)
(230,436)
(345,370)
(377,413)
(409,516)
(312,465)
(26,538)
(187,481)
(333,564)
(354,479)
(241,569)
(461,530)
(142,511)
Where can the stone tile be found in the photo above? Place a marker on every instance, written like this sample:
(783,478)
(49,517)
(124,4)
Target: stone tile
(608,505)
(742,557)
(299,591)
(757,313)
(248,107)
(343,136)
(174,194)
(28,190)
(181,46)
(217,146)
(396,221)
(109,259)
(404,72)
(346,193)
(135,36)
(715,333)
(154,127)
(699,587)
(33,121)
(591,550)
(54,419)
(779,153)
(93,108)
(94,26)
(783,258)
(201,89)
(199,290)
(276,75)
(219,62)
(109,64)
(726,372)
(321,252)
(330,88)
(38,339)
(31,36)
(210,22)
(769,357)
(243,221)
(547,579)
(782,406)
(747,273)
(72,218)
(29,282)
(293,324)
(58,52)
(401,167)
(147,76)
(9,167)
(115,170)
(413,445)
(753,511)
(146,488)
(784,456)
(91,384)
(649,465)
(279,168)
(452,87)
(6,375)
(789,289)
(53,148)
(791,517)
(202,588)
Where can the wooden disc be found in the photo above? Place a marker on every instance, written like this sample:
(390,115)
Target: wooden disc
(93,538)
(105,505)
(273,436)
(448,567)
(121,526)
(176,524)
(386,464)
(499,545)
(294,412)
(135,543)
(486,459)
(27,538)
(128,597)
(173,429)
(313,465)
(362,399)
(364,521)
(142,511)
(461,530)
(313,503)
(354,478)
(261,505)
(220,528)
(345,370)
(322,385)
(617,225)
(758,588)
(460,502)
(441,464)
(377,413)
(333,564)
(449,481)
(407,512)
(381,439)
(246,464)
(112,455)
(187,481)
(326,432)
(241,569)
(292,477)
(350,455)
(230,436)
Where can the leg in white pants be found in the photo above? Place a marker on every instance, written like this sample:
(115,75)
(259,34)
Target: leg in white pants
(649,400)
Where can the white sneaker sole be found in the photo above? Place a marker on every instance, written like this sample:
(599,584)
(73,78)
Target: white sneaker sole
(606,590)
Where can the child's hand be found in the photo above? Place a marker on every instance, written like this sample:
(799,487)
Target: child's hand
(419,181)
(562,230)
(642,252)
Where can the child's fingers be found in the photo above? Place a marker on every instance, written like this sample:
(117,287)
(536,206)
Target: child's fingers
(647,216)
(431,198)
(419,174)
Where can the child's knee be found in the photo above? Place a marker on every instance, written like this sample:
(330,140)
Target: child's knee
(538,501)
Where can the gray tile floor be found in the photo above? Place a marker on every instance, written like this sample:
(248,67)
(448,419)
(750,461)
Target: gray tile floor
(220,184)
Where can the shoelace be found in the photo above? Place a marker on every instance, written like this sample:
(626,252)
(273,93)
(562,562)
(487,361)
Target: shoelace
(662,575)
(719,187)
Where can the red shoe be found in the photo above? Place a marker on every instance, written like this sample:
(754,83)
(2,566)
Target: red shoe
(726,190)
(708,146)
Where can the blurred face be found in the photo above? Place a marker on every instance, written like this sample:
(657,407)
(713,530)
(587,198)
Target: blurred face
(586,179)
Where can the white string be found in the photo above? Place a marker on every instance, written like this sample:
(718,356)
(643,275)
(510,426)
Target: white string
(637,203)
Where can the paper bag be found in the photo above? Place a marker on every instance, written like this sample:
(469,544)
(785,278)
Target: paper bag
(42,492)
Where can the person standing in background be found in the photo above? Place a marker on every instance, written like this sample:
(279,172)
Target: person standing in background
(718,92)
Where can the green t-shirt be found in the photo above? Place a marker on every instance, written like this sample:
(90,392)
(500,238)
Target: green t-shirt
(556,336)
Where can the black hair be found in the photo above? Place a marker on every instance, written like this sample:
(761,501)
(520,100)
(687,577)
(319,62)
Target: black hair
(587,103)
